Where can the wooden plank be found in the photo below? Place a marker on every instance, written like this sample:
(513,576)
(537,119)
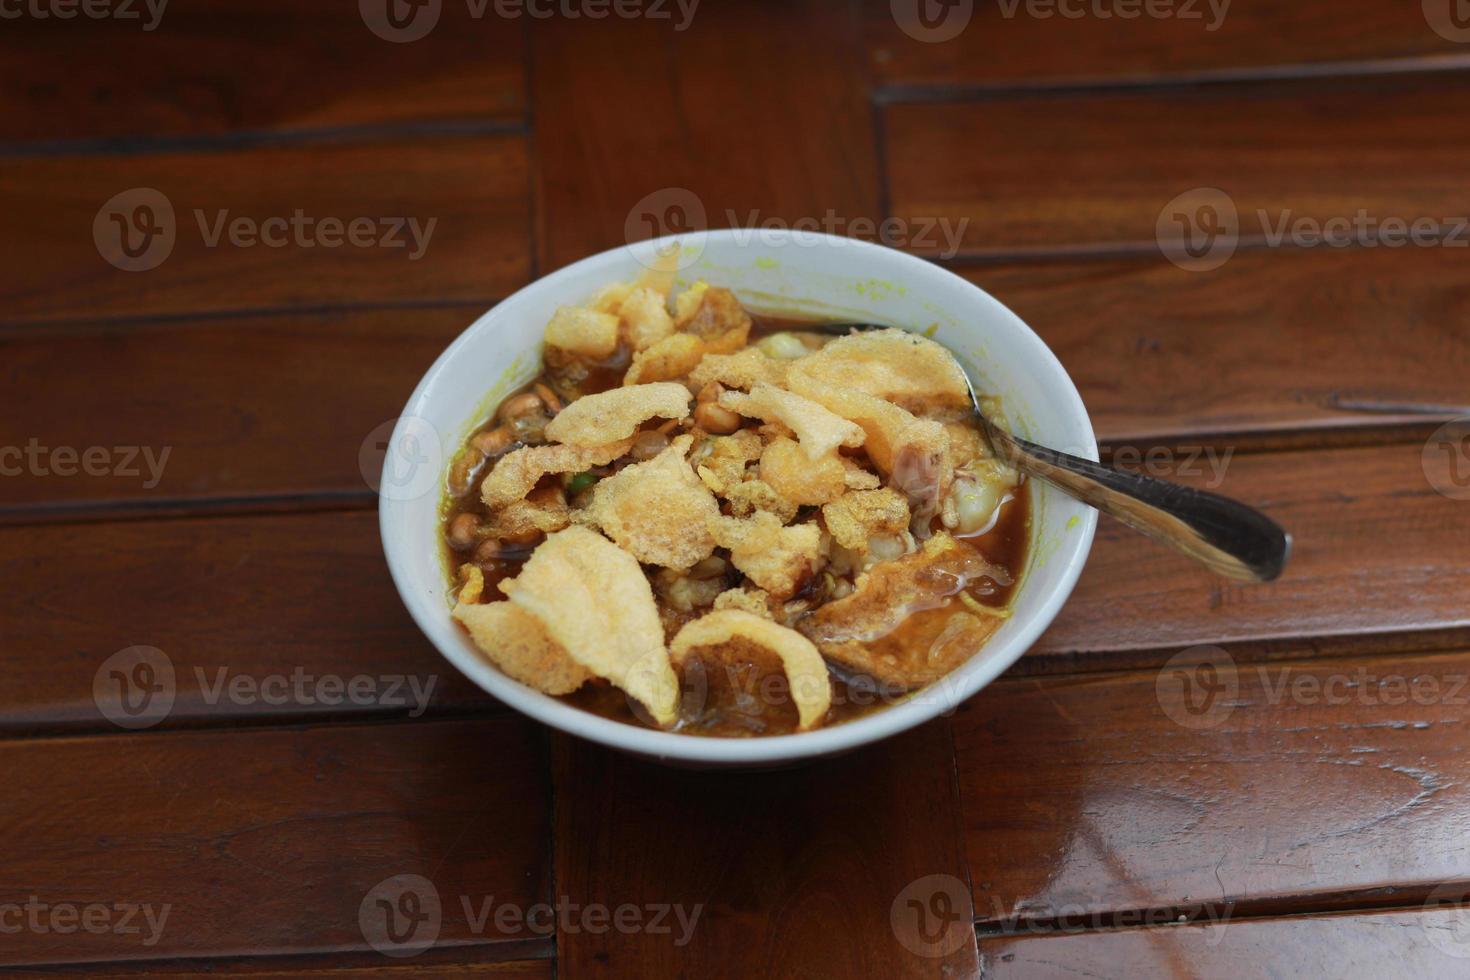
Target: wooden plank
(1377,550)
(1271,789)
(472,188)
(242,407)
(259,618)
(434,964)
(1316,150)
(223,66)
(1037,42)
(696,120)
(809,871)
(1403,943)
(1272,341)
(271,842)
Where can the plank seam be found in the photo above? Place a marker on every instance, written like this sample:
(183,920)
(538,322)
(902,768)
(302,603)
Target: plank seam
(928,93)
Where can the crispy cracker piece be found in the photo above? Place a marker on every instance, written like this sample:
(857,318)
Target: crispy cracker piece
(595,601)
(755,495)
(669,359)
(645,318)
(687,303)
(544,510)
(819,430)
(595,420)
(516,473)
(754,601)
(857,477)
(912,372)
(610,297)
(720,321)
(516,642)
(775,557)
(912,452)
(712,634)
(659,275)
(722,466)
(658,510)
(583,332)
(919,591)
(743,369)
(858,514)
(799,478)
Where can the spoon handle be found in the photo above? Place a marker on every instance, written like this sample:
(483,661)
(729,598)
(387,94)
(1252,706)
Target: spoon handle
(1234,540)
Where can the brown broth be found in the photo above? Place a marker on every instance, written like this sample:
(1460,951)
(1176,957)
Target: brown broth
(748,698)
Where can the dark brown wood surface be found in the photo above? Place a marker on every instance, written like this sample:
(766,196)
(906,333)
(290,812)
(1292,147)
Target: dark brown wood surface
(1298,802)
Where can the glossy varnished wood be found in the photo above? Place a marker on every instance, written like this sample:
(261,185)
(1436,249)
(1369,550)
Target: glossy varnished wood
(1403,942)
(1272,341)
(1369,528)
(1313,149)
(474,188)
(227,66)
(230,600)
(1007,43)
(268,842)
(242,407)
(1277,788)
(718,131)
(1084,793)
(808,871)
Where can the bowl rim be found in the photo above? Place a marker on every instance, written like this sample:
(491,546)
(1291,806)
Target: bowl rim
(938,699)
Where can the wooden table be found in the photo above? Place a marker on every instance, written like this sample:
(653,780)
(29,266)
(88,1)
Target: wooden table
(1288,798)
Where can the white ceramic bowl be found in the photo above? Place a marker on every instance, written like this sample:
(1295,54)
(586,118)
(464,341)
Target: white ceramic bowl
(776,272)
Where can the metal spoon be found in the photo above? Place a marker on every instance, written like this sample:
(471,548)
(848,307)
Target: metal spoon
(1234,540)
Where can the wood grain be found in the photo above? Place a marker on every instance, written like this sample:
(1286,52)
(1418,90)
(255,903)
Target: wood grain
(1271,342)
(716,130)
(473,188)
(242,407)
(254,602)
(803,872)
(1031,43)
(456,961)
(268,842)
(1266,788)
(1310,149)
(1369,531)
(225,66)
(1410,942)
